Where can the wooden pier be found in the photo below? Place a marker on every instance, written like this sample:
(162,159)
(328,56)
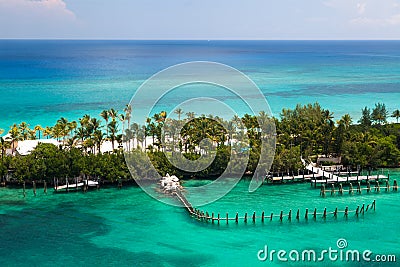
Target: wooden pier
(253,217)
(317,176)
(358,189)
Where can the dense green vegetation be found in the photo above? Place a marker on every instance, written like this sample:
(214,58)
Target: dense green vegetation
(306,131)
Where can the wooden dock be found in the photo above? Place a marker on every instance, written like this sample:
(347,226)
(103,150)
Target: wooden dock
(358,189)
(317,176)
(262,217)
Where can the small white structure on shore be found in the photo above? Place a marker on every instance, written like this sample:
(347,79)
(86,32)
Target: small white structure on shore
(27,146)
(170,183)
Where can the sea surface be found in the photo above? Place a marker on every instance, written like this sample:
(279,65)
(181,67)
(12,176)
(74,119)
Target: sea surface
(126,227)
(43,80)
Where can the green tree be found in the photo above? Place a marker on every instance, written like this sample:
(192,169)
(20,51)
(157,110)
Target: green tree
(396,114)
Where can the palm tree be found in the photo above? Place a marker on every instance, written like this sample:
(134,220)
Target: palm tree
(113,114)
(396,114)
(98,137)
(38,129)
(190,115)
(15,135)
(105,115)
(24,128)
(128,114)
(179,112)
(113,130)
(346,119)
(62,124)
(47,132)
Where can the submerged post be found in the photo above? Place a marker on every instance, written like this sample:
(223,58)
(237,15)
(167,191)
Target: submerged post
(358,207)
(34,188)
(45,187)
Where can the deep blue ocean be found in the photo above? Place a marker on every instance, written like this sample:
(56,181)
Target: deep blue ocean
(42,80)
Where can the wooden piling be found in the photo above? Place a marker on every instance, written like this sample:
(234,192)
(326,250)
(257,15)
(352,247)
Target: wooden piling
(374,204)
(395,187)
(262,216)
(237,218)
(272,216)
(212,217)
(368,186)
(218,218)
(24,189)
(254,217)
(281,216)
(335,213)
(324,216)
(359,188)
(298,214)
(290,215)
(340,189)
(45,187)
(245,217)
(333,190)
(315,213)
(346,212)
(362,209)
(351,190)
(34,188)
(387,189)
(306,215)
(358,207)
(207,216)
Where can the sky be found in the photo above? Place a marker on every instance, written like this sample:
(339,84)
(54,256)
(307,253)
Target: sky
(200,19)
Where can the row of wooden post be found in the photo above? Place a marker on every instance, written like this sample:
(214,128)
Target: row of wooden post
(34,188)
(377,188)
(205,216)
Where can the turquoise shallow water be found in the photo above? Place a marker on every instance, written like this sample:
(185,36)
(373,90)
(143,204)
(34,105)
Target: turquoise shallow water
(128,228)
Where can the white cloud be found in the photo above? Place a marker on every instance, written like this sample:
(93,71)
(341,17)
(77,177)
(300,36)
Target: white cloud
(26,16)
(361,7)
